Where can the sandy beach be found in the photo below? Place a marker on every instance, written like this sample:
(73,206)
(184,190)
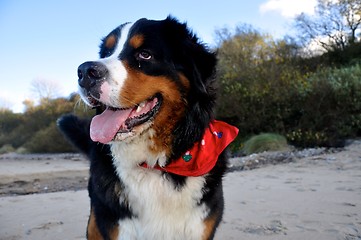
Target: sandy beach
(315,197)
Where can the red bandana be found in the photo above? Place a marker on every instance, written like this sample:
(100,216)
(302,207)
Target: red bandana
(202,157)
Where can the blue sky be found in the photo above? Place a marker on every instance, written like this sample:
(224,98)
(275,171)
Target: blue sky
(47,40)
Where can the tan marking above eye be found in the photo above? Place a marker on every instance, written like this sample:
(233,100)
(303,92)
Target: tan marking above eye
(136,41)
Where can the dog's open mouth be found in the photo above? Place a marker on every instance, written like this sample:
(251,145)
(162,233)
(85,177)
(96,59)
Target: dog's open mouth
(118,124)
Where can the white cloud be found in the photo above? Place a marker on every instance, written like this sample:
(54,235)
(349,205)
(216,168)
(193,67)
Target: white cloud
(288,8)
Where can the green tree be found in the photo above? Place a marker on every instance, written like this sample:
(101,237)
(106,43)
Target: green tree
(257,77)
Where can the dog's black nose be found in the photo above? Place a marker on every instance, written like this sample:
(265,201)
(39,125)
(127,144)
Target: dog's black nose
(90,73)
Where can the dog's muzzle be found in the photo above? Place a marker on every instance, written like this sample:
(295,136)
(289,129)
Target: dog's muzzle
(91,74)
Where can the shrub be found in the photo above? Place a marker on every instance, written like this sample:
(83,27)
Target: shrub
(331,108)
(48,140)
(22,150)
(265,142)
(315,109)
(35,130)
(7,148)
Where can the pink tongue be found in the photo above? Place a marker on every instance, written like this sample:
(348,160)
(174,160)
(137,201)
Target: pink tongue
(105,126)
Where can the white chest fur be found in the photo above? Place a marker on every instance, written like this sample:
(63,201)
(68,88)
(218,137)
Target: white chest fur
(161,211)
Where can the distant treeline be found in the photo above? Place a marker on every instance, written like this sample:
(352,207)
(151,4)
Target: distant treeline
(35,130)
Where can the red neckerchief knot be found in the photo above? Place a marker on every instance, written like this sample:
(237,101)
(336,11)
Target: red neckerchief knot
(203,156)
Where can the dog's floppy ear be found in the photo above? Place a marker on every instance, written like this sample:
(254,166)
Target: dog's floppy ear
(199,61)
(204,63)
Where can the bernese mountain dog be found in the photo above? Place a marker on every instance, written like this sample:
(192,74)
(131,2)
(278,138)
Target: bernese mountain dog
(157,155)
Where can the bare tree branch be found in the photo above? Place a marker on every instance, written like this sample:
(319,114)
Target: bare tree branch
(44,89)
(334,24)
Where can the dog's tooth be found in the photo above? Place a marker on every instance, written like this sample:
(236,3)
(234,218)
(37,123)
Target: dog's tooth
(140,107)
(142,104)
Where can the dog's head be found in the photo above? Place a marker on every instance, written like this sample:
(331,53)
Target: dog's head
(152,76)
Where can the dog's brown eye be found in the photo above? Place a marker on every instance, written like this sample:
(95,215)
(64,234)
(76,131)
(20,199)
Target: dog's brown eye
(144,55)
